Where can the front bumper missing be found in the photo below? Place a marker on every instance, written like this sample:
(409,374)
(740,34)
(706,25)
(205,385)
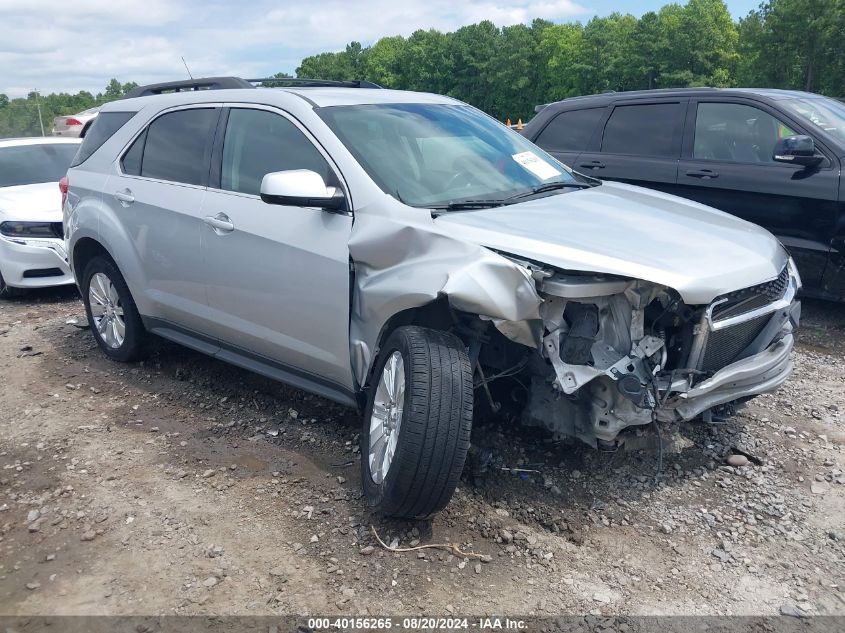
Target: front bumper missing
(597,401)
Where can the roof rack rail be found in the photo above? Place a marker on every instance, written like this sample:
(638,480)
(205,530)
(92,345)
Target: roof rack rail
(187,85)
(224,83)
(317,83)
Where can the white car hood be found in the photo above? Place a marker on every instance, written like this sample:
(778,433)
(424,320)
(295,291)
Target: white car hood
(41,202)
(631,231)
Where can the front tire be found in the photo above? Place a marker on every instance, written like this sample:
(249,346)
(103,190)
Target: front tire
(417,423)
(111,311)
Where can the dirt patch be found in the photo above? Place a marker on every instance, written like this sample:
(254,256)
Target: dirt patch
(182,485)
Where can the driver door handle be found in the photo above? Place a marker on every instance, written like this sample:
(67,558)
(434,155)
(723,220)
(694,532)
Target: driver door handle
(595,164)
(125,197)
(705,174)
(220,223)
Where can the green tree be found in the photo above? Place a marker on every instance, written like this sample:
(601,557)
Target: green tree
(275,84)
(473,51)
(333,66)
(557,52)
(795,44)
(426,62)
(383,62)
(114,90)
(699,44)
(648,42)
(19,117)
(347,64)
(516,74)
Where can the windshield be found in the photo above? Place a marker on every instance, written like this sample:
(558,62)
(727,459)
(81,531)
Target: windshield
(827,114)
(29,164)
(431,155)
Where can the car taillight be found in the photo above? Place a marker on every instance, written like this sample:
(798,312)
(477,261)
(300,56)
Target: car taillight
(63,187)
(72,121)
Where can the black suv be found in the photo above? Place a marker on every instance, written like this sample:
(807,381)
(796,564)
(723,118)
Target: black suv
(772,157)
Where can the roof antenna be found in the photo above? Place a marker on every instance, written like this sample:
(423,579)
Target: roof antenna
(186,67)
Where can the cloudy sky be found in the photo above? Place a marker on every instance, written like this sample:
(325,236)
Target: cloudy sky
(80,44)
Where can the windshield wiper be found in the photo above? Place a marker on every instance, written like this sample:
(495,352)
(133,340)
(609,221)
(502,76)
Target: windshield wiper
(467,205)
(551,186)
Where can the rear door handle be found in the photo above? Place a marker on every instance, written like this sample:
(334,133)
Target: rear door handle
(705,174)
(125,197)
(220,223)
(595,164)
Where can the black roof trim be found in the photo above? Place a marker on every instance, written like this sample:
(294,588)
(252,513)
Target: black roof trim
(612,97)
(317,83)
(187,85)
(226,83)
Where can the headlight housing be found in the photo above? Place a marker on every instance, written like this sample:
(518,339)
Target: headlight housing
(24,230)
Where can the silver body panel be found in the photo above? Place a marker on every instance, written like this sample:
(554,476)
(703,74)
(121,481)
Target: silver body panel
(278,287)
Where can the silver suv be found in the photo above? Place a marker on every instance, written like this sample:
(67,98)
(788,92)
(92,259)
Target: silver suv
(408,255)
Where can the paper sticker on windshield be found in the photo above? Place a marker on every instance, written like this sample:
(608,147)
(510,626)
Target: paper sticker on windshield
(536,165)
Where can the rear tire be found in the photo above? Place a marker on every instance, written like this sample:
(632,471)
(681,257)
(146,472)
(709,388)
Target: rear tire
(429,424)
(112,314)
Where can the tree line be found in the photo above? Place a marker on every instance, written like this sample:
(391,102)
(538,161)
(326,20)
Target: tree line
(506,71)
(20,117)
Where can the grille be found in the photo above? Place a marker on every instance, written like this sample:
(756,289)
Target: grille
(58,229)
(747,299)
(724,346)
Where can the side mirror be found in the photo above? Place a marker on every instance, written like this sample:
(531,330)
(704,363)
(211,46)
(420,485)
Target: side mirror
(301,188)
(798,150)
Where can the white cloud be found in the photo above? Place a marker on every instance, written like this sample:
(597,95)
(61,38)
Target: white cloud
(60,46)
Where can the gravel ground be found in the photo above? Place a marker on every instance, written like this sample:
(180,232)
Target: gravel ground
(182,485)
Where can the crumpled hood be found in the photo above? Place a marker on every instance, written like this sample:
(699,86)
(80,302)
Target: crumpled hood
(41,202)
(631,231)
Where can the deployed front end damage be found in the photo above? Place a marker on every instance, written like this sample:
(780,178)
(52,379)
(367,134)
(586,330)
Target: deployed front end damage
(584,355)
(621,353)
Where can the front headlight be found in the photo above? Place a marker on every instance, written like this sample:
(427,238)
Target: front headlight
(793,271)
(29,229)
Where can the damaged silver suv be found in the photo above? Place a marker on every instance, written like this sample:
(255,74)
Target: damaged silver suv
(407,254)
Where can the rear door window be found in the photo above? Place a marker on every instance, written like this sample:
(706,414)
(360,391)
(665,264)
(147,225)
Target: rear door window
(178,146)
(570,131)
(652,129)
(101,130)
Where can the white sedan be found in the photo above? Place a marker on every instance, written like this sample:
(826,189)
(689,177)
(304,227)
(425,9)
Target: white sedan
(73,124)
(32,250)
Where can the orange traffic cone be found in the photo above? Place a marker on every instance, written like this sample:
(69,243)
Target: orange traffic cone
(519,125)
(508,122)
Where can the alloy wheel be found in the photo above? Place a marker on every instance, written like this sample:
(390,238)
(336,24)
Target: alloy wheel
(388,405)
(106,310)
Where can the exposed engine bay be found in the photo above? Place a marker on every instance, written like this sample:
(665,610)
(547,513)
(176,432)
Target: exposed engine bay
(610,353)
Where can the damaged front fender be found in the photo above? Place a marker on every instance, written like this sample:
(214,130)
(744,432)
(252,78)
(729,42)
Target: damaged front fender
(409,263)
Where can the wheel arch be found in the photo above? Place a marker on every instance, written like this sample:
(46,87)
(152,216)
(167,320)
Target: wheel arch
(436,315)
(86,249)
